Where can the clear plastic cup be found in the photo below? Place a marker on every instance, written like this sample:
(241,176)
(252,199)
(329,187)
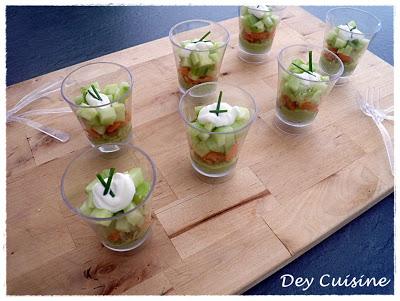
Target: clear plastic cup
(349,46)
(214,154)
(298,99)
(198,66)
(104,124)
(123,231)
(257,29)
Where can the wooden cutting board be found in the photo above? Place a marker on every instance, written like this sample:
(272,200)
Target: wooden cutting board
(288,192)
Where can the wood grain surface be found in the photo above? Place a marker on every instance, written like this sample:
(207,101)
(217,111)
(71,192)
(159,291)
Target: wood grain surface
(288,192)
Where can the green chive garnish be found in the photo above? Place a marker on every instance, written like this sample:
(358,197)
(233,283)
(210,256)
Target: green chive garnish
(220,111)
(107,187)
(97,93)
(304,70)
(217,111)
(310,61)
(104,183)
(203,37)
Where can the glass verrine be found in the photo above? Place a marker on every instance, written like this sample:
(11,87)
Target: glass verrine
(124,229)
(100,94)
(199,47)
(299,92)
(348,32)
(214,148)
(257,28)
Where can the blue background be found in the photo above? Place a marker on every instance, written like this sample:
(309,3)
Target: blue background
(44,39)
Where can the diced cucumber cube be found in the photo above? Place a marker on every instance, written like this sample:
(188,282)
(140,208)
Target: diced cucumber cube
(111,89)
(194,58)
(346,50)
(275,19)
(203,136)
(205,60)
(352,24)
(123,92)
(90,186)
(79,100)
(208,126)
(102,213)
(228,140)
(135,218)
(88,114)
(105,173)
(137,176)
(214,57)
(258,27)
(216,144)
(85,208)
(107,115)
(249,20)
(197,109)
(268,21)
(123,225)
(185,62)
(339,43)
(100,129)
(141,192)
(119,111)
(86,88)
(201,148)
(244,114)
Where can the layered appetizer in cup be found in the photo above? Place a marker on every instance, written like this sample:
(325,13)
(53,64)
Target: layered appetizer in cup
(112,194)
(304,79)
(217,118)
(348,33)
(100,95)
(198,47)
(257,28)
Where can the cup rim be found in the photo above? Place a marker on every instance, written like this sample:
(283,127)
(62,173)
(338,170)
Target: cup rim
(378,26)
(225,43)
(280,8)
(90,218)
(72,103)
(188,123)
(336,75)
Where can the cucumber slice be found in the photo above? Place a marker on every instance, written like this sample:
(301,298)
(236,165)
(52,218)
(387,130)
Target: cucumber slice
(141,192)
(137,176)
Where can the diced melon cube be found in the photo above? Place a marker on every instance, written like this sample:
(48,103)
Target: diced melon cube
(107,115)
(119,111)
(123,225)
(137,176)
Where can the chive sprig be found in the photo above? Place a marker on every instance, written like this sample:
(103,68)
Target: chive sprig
(217,111)
(96,94)
(304,70)
(107,185)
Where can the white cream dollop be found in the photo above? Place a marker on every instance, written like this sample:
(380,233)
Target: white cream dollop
(123,188)
(223,119)
(348,35)
(95,102)
(258,10)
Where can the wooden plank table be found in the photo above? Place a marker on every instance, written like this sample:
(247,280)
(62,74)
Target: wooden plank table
(288,192)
